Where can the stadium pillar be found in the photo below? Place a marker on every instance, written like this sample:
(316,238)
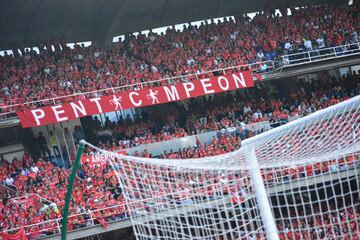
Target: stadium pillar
(261,196)
(69,190)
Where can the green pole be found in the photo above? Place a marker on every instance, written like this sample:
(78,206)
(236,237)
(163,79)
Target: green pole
(69,190)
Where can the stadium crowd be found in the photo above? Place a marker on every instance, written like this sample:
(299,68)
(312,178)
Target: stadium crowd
(97,188)
(138,59)
(223,113)
(97,196)
(328,221)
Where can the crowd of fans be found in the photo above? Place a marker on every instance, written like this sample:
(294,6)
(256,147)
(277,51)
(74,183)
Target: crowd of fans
(223,113)
(218,146)
(30,76)
(160,188)
(328,221)
(97,196)
(97,188)
(43,187)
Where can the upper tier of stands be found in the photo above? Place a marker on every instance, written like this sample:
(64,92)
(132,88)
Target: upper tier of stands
(50,74)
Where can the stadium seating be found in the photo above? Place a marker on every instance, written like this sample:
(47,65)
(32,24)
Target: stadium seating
(96,188)
(223,115)
(96,193)
(97,197)
(140,59)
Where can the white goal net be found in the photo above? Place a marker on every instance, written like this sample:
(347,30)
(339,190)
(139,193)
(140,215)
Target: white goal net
(298,181)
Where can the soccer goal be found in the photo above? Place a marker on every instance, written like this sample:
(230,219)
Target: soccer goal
(298,181)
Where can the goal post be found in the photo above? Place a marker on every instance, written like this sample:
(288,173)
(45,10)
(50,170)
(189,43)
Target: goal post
(261,195)
(298,181)
(69,190)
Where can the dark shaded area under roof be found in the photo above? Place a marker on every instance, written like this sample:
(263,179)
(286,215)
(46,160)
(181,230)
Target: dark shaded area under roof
(27,23)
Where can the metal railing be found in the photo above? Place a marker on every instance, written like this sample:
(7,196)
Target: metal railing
(120,213)
(317,55)
(270,66)
(29,195)
(76,221)
(11,188)
(292,59)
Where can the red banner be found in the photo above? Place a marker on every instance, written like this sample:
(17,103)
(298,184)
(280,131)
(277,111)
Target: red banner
(20,235)
(94,159)
(99,161)
(133,99)
(99,158)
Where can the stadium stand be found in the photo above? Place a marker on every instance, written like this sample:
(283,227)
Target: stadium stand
(97,197)
(41,186)
(221,113)
(136,60)
(33,188)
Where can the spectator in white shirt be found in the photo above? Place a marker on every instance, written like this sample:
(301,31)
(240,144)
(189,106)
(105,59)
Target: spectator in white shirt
(25,172)
(233,35)
(320,42)
(333,168)
(34,168)
(9,180)
(247,109)
(308,45)
(354,37)
(153,69)
(190,61)
(260,55)
(97,54)
(288,46)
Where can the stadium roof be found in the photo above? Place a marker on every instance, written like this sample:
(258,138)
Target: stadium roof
(26,23)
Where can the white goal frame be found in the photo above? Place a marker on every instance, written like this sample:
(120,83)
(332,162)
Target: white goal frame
(324,137)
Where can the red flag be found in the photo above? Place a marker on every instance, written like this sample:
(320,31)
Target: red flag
(103,222)
(198,143)
(20,235)
(258,76)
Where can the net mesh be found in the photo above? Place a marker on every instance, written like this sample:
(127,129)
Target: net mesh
(309,169)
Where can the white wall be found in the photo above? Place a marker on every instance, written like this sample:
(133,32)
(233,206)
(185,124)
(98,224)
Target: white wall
(158,148)
(11,151)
